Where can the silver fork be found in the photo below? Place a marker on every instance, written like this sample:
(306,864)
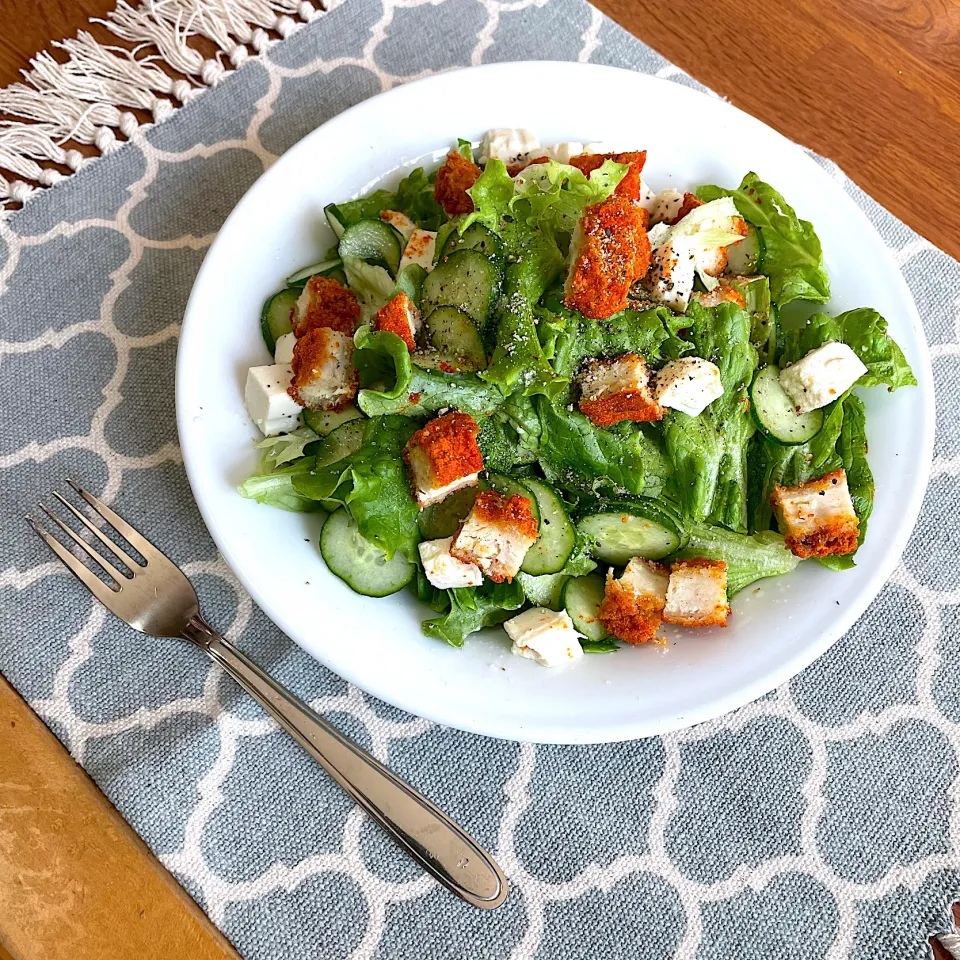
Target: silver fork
(156,598)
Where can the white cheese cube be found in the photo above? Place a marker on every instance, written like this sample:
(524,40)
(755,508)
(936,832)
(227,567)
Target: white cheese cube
(283,351)
(648,198)
(545,636)
(821,376)
(508,144)
(420,249)
(270,407)
(666,205)
(690,385)
(563,152)
(670,279)
(445,571)
(400,221)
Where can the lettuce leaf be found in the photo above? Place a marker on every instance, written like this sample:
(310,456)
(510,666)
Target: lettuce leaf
(392,384)
(865,332)
(366,208)
(286,447)
(492,193)
(791,255)
(274,488)
(748,558)
(473,608)
(415,199)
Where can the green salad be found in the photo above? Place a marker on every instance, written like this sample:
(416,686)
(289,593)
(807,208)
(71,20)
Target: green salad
(536,393)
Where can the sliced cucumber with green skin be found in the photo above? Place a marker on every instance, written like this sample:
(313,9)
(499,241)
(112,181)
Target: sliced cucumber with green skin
(374,242)
(343,442)
(361,565)
(475,237)
(543,591)
(455,336)
(335,218)
(581,598)
(443,519)
(621,531)
(510,488)
(466,280)
(557,534)
(775,412)
(323,422)
(275,317)
(323,269)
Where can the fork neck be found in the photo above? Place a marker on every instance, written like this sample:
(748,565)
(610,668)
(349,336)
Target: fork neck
(199,632)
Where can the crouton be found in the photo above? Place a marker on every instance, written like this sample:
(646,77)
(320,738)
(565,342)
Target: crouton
(817,518)
(325,303)
(496,535)
(454,179)
(690,202)
(400,316)
(616,389)
(443,457)
(632,606)
(697,594)
(609,251)
(323,373)
(724,291)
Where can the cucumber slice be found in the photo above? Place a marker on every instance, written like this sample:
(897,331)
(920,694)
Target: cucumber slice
(358,563)
(466,280)
(375,242)
(275,317)
(744,257)
(455,336)
(557,534)
(324,269)
(475,237)
(443,519)
(323,422)
(343,442)
(622,530)
(336,219)
(510,487)
(543,591)
(775,413)
(581,598)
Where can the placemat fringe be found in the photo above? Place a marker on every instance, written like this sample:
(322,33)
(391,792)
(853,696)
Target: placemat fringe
(103,93)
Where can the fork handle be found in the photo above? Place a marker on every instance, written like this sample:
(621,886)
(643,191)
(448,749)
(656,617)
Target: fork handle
(441,847)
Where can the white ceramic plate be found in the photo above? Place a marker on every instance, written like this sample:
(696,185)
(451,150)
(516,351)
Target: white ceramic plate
(775,631)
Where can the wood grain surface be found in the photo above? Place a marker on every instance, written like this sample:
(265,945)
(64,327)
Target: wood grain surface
(873,84)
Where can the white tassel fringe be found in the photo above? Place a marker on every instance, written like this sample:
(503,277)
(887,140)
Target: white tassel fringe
(88,98)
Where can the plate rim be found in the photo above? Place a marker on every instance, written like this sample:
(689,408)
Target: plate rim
(626,730)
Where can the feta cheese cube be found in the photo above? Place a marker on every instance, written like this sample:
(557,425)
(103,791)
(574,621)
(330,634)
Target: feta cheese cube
(443,457)
(545,636)
(697,594)
(821,376)
(420,249)
(647,198)
(283,351)
(690,385)
(508,144)
(443,569)
(270,407)
(670,280)
(400,221)
(817,518)
(496,535)
(632,607)
(563,152)
(666,205)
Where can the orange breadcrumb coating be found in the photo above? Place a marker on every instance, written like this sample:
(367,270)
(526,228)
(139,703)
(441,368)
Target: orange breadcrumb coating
(395,317)
(723,292)
(310,356)
(454,178)
(690,202)
(629,186)
(612,252)
(500,510)
(616,407)
(835,536)
(632,618)
(716,570)
(331,305)
(450,445)
(514,168)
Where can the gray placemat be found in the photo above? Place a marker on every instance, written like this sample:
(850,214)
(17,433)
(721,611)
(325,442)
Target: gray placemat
(819,822)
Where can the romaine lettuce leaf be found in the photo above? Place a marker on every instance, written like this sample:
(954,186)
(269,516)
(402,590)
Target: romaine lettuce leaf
(274,488)
(473,608)
(391,383)
(790,249)
(366,208)
(865,332)
(415,199)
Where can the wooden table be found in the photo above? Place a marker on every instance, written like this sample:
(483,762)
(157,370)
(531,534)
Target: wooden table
(873,84)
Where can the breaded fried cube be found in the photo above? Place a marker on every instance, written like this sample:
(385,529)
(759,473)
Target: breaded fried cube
(323,373)
(325,303)
(629,186)
(609,251)
(724,291)
(632,607)
(817,518)
(618,388)
(498,532)
(454,179)
(400,316)
(666,205)
(443,457)
(697,594)
(690,202)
